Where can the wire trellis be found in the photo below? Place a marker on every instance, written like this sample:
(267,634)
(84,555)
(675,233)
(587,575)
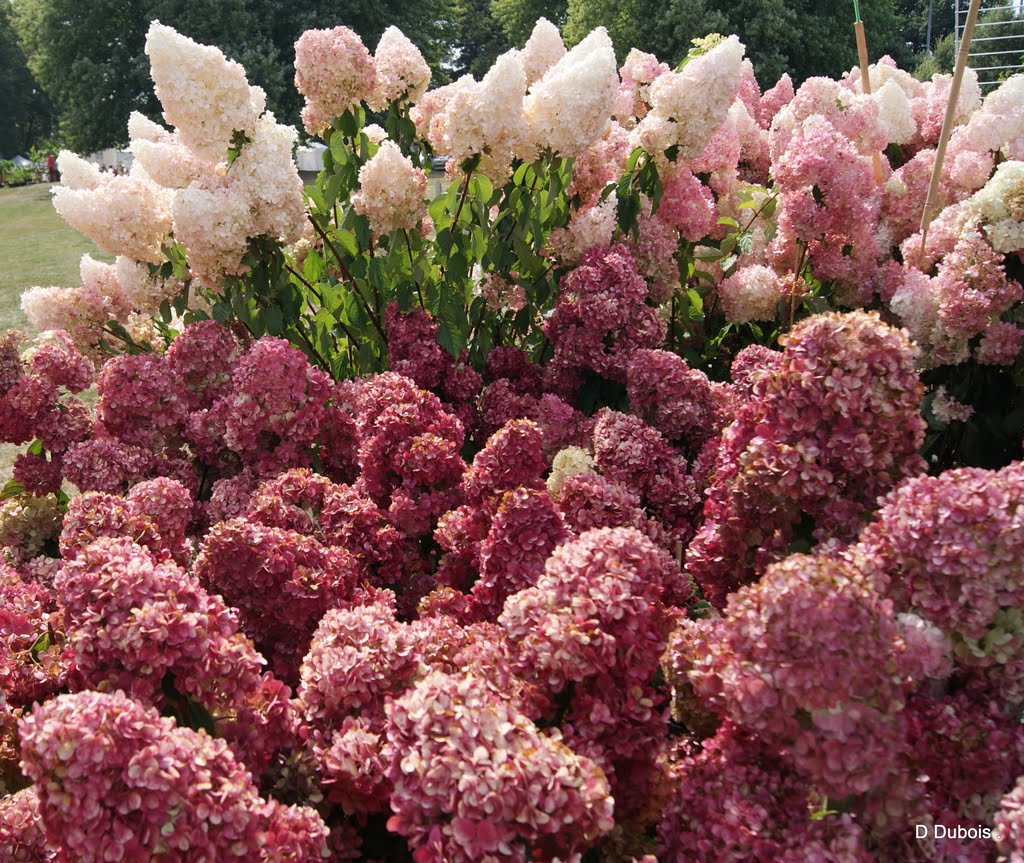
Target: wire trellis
(997,49)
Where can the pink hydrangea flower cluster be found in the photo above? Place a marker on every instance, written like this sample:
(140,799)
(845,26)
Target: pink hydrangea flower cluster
(359,658)
(334,71)
(828,432)
(1009,825)
(136,622)
(272,414)
(768,665)
(636,76)
(830,205)
(919,536)
(391,192)
(590,633)
(155,513)
(475,779)
(22,837)
(114,778)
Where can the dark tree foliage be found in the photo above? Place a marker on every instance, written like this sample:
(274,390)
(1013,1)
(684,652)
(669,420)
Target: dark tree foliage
(90,59)
(24,109)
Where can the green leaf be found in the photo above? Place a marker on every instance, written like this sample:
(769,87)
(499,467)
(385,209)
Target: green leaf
(710,255)
(450,338)
(40,645)
(273,320)
(346,241)
(316,197)
(12,489)
(696,301)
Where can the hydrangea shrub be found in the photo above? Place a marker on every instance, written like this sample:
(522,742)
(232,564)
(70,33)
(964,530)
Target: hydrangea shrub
(652,493)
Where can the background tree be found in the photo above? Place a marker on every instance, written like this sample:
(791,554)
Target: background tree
(478,38)
(517,17)
(23,106)
(801,37)
(89,58)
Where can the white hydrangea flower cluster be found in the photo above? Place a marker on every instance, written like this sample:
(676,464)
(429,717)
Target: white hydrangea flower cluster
(123,215)
(141,290)
(1000,207)
(542,50)
(566,463)
(265,170)
(181,182)
(586,230)
(998,125)
(486,117)
(570,107)
(894,112)
(401,72)
(205,96)
(751,294)
(27,523)
(687,107)
(211,220)
(391,191)
(162,155)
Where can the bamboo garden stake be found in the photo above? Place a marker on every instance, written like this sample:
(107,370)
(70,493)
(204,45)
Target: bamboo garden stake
(947,122)
(865,78)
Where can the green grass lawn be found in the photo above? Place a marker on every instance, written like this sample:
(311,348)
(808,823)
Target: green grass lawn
(36,248)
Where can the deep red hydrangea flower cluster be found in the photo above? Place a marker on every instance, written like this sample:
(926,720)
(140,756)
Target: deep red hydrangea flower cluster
(408,451)
(31,669)
(632,453)
(280,582)
(497,541)
(413,351)
(600,320)
(736,800)
(671,396)
(835,426)
(36,402)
